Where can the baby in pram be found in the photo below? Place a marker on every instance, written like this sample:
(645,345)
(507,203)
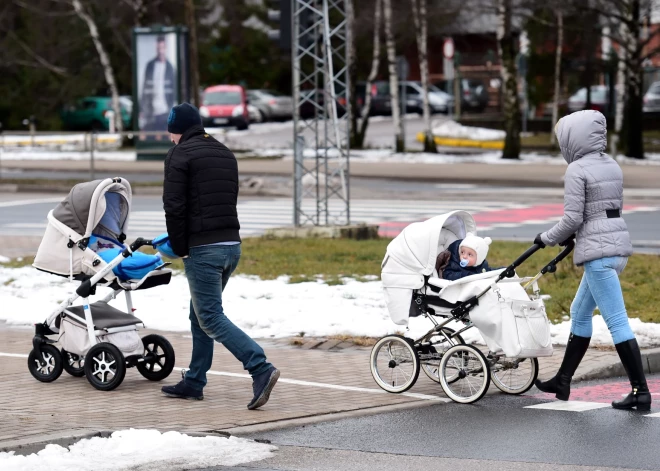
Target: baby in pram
(464,257)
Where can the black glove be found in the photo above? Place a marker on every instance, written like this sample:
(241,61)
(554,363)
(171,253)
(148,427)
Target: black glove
(538,241)
(564,243)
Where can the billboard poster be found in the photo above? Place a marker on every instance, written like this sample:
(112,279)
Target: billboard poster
(157,79)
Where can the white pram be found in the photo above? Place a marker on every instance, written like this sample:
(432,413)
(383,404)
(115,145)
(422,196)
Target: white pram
(513,324)
(98,341)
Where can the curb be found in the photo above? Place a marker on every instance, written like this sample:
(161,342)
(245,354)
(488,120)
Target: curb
(614,368)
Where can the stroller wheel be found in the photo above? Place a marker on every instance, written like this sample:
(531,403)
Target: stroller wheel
(47,368)
(464,374)
(105,366)
(158,358)
(73,364)
(394,363)
(514,375)
(430,355)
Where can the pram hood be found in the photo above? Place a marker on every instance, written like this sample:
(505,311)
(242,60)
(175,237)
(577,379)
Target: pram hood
(412,254)
(101,207)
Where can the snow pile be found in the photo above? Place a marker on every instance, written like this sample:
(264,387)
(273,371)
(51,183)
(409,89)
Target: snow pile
(140,449)
(4,259)
(263,308)
(44,154)
(452,129)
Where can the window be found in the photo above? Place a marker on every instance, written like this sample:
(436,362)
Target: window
(223,98)
(88,105)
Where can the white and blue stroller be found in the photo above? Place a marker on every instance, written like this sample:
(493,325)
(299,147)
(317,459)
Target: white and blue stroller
(84,241)
(513,324)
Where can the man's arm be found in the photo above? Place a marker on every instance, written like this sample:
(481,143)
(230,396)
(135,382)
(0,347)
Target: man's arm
(175,200)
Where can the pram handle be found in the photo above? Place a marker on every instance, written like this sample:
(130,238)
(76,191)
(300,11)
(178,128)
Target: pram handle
(510,271)
(551,267)
(136,245)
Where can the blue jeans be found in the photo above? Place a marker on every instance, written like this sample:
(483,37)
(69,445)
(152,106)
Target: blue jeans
(208,269)
(600,287)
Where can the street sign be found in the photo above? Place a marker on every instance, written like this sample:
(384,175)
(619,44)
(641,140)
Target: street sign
(402,68)
(448,48)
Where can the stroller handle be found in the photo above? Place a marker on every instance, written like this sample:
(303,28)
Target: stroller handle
(136,245)
(551,267)
(510,271)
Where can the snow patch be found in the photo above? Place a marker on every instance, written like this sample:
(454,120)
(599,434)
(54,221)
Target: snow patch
(147,450)
(262,308)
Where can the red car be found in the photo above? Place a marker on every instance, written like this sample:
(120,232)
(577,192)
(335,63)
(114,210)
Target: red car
(225,105)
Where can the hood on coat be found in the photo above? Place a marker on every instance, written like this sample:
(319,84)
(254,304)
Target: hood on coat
(581,133)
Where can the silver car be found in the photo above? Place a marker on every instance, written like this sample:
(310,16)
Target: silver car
(272,105)
(652,99)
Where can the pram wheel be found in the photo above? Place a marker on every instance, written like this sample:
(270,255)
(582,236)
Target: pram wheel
(73,364)
(514,375)
(431,355)
(158,358)
(394,363)
(464,374)
(105,366)
(49,367)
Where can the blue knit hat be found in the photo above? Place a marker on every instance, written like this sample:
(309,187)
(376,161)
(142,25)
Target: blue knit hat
(182,117)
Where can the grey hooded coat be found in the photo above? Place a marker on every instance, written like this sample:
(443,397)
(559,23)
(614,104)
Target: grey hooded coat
(593,191)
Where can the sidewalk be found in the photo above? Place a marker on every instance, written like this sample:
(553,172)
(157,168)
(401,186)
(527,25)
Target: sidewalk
(528,174)
(321,383)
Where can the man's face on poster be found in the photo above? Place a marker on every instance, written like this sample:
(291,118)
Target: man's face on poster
(161,50)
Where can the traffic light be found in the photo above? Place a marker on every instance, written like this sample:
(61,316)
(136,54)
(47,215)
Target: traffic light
(282,15)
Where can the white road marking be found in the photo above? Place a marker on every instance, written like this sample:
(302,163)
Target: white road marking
(6,204)
(569,406)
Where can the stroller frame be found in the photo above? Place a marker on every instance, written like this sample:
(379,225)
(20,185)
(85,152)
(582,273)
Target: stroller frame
(469,360)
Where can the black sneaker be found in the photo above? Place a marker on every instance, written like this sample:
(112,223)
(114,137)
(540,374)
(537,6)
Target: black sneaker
(182,391)
(262,385)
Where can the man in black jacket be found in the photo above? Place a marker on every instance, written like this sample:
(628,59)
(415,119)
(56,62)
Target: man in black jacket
(199,198)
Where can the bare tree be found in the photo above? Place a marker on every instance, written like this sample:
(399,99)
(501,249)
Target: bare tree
(558,53)
(361,130)
(103,57)
(421,32)
(506,45)
(394,79)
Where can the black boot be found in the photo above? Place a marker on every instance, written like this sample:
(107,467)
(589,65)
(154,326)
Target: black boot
(560,385)
(631,357)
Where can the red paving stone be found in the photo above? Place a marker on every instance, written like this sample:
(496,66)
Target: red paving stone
(606,393)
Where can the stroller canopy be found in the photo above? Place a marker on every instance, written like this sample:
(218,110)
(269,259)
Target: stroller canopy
(411,256)
(99,206)
(418,245)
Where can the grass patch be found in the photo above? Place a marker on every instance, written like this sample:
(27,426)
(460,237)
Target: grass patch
(331,260)
(356,340)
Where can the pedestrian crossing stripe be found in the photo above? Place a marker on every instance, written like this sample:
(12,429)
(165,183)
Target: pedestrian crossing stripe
(570,406)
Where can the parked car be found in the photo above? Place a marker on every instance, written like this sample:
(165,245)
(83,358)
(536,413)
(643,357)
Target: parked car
(474,93)
(225,105)
(600,99)
(652,99)
(439,101)
(315,99)
(272,105)
(91,113)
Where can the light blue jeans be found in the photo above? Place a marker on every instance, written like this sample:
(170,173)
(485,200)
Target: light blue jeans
(600,287)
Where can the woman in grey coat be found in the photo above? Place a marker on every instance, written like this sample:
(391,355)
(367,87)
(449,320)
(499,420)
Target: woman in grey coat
(593,201)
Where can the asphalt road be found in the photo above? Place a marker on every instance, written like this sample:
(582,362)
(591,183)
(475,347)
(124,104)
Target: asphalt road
(498,432)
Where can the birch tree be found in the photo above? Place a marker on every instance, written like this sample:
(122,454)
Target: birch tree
(421,32)
(558,54)
(394,79)
(103,57)
(361,130)
(191,22)
(506,46)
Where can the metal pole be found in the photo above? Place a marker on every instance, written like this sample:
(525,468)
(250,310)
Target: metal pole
(91,155)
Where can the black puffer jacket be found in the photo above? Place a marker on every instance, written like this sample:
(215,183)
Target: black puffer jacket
(200,192)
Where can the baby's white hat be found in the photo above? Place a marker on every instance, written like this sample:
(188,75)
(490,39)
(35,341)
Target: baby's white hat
(478,244)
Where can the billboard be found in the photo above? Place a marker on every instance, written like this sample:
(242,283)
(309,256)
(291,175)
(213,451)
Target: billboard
(156,62)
